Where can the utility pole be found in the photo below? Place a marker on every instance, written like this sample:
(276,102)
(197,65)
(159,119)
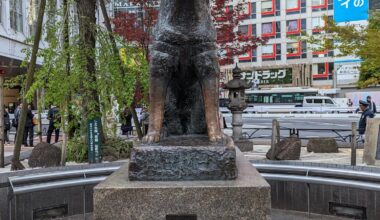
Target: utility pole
(2,118)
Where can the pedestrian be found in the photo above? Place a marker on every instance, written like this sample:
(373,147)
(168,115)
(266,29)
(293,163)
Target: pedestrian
(349,103)
(29,128)
(54,120)
(366,113)
(126,122)
(372,105)
(7,125)
(16,118)
(144,119)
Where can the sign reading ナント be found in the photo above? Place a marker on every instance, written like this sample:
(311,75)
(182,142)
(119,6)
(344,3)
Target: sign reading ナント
(350,10)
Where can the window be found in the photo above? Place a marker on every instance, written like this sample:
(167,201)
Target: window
(254,30)
(16,15)
(317,4)
(295,6)
(32,16)
(271,29)
(268,50)
(309,101)
(329,101)
(322,71)
(330,4)
(293,49)
(317,24)
(268,29)
(292,5)
(243,30)
(296,50)
(293,26)
(267,7)
(246,57)
(254,55)
(271,52)
(317,101)
(245,11)
(253,10)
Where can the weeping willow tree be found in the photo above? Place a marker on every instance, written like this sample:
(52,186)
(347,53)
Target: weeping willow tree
(81,72)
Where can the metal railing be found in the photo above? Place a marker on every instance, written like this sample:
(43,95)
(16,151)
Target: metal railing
(57,180)
(275,172)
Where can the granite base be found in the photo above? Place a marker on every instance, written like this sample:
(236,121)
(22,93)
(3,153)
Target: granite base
(245,198)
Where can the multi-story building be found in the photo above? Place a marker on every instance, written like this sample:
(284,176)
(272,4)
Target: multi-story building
(286,60)
(17,24)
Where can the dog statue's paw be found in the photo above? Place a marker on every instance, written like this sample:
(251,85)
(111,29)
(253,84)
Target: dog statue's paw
(222,138)
(151,137)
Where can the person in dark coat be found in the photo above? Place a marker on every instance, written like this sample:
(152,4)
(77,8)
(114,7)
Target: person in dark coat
(7,125)
(371,104)
(126,122)
(29,128)
(54,120)
(367,113)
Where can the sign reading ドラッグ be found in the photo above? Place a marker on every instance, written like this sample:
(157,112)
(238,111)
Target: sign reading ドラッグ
(350,10)
(94,143)
(272,76)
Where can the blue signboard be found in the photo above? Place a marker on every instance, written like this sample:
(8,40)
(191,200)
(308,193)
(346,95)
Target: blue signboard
(350,10)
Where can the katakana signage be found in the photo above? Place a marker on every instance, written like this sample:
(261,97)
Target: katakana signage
(350,10)
(271,76)
(94,143)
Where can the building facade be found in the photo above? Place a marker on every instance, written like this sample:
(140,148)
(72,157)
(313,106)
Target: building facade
(283,22)
(17,24)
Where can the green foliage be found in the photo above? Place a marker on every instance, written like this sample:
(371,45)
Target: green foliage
(117,148)
(355,40)
(77,150)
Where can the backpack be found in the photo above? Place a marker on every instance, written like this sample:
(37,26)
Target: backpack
(14,123)
(7,123)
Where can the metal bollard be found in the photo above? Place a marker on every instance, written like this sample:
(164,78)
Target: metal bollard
(353,145)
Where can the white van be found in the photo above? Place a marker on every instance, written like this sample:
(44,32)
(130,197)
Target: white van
(318,101)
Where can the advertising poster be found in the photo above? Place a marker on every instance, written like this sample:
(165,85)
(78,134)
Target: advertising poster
(350,10)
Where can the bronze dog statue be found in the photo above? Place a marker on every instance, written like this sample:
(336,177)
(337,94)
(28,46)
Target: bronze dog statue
(184,73)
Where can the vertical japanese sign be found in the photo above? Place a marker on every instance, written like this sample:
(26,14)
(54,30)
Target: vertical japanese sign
(350,10)
(94,144)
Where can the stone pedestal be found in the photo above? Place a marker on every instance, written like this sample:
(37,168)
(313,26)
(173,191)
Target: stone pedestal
(247,197)
(372,142)
(183,158)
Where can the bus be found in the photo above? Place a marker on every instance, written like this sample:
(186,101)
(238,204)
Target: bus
(290,96)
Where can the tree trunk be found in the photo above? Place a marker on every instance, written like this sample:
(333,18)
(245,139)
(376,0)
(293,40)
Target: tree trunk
(121,69)
(16,164)
(64,106)
(87,33)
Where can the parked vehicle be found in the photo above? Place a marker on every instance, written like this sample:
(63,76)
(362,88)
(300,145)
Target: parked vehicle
(319,101)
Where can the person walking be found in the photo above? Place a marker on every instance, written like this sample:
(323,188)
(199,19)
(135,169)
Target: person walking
(349,103)
(366,113)
(372,105)
(29,128)
(54,120)
(7,125)
(16,118)
(144,120)
(126,122)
